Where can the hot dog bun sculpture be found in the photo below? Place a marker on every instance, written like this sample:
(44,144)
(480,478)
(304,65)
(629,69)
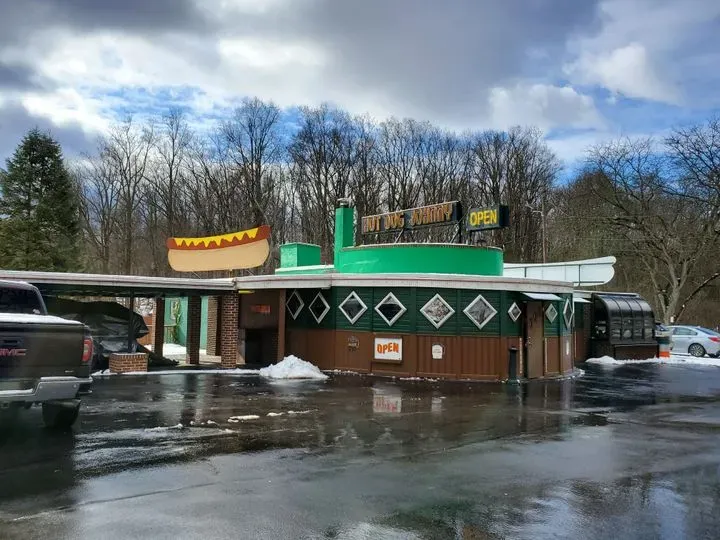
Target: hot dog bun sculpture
(234,251)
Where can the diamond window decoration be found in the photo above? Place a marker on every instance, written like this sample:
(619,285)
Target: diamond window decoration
(390,309)
(353,307)
(437,311)
(294,305)
(514,312)
(568,313)
(480,312)
(551,313)
(319,307)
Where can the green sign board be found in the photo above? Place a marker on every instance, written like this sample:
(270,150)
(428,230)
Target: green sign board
(488,218)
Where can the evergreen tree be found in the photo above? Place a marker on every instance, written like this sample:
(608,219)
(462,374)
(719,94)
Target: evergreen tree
(40,224)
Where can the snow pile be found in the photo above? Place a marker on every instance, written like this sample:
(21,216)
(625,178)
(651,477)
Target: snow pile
(236,419)
(293,367)
(610,361)
(173,349)
(274,414)
(165,428)
(675,359)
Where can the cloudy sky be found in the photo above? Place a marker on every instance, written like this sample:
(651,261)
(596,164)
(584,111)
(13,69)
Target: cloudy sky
(582,70)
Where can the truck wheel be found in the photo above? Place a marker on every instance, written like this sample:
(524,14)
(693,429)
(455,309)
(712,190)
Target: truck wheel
(60,414)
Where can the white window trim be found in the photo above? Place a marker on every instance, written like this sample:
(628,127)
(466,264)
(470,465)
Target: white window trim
(510,309)
(444,319)
(568,306)
(547,313)
(480,298)
(302,305)
(399,313)
(325,311)
(360,313)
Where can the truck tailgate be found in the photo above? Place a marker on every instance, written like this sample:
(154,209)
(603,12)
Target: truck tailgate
(41,346)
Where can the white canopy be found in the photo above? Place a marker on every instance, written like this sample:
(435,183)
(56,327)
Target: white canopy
(587,273)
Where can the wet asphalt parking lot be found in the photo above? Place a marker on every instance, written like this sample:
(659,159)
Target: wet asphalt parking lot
(630,452)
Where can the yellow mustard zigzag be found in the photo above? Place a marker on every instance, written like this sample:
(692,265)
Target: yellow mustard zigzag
(207,240)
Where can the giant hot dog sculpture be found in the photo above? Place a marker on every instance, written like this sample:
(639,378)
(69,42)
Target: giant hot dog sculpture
(234,251)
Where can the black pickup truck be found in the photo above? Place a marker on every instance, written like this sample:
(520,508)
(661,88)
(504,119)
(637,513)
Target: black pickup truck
(43,359)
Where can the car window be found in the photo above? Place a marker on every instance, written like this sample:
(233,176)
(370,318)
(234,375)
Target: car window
(19,301)
(708,332)
(683,332)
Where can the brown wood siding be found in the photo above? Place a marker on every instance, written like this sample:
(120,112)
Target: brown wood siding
(353,359)
(451,363)
(408,366)
(581,345)
(552,358)
(484,358)
(251,320)
(296,343)
(566,353)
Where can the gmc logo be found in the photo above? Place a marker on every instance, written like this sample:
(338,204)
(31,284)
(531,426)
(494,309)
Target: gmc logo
(4,351)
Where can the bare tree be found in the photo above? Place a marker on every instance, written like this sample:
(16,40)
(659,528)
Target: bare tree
(669,235)
(254,143)
(128,149)
(99,200)
(323,155)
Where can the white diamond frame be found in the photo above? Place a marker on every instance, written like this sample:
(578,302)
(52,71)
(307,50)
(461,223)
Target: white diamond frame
(551,313)
(437,325)
(299,310)
(360,314)
(480,298)
(390,296)
(325,311)
(514,318)
(568,313)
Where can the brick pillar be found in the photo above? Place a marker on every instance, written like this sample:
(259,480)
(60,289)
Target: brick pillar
(193,330)
(158,325)
(229,306)
(281,326)
(213,343)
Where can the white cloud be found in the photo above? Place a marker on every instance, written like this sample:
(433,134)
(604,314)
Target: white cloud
(636,50)
(627,71)
(65,107)
(542,105)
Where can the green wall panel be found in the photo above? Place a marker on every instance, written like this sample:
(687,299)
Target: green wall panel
(552,329)
(466,326)
(364,323)
(424,326)
(406,323)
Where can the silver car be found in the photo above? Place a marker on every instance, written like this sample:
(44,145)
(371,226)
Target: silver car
(695,340)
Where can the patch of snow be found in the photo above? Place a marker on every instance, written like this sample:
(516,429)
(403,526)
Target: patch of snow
(674,359)
(417,379)
(298,412)
(292,367)
(173,349)
(341,372)
(235,419)
(165,428)
(275,414)
(27,318)
(196,371)
(211,423)
(102,373)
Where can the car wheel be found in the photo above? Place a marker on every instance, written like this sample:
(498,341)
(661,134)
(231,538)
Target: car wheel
(60,414)
(696,350)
